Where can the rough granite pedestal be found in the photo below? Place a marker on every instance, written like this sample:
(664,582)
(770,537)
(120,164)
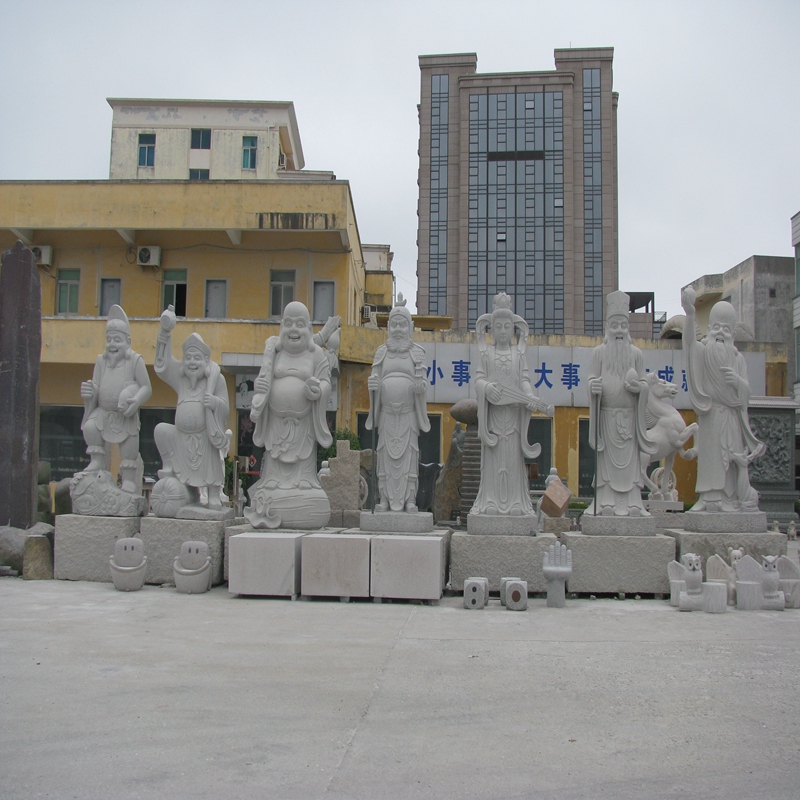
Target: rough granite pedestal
(396,522)
(706,545)
(612,564)
(265,563)
(83,545)
(407,567)
(163,537)
(494,557)
(501,525)
(725,522)
(335,565)
(617,526)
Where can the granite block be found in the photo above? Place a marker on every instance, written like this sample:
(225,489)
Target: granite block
(396,522)
(556,525)
(37,561)
(723,522)
(617,526)
(335,565)
(516,592)
(706,545)
(83,545)
(501,525)
(407,567)
(265,563)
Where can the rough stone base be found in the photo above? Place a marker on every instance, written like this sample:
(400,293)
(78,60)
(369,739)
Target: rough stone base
(617,526)
(619,563)
(83,545)
(668,519)
(556,524)
(407,567)
(501,525)
(335,565)
(396,522)
(265,563)
(202,513)
(706,545)
(495,557)
(725,522)
(163,538)
(344,519)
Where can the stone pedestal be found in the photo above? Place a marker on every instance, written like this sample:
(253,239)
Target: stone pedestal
(501,525)
(37,561)
(725,522)
(83,545)
(335,565)
(663,505)
(407,567)
(612,564)
(617,526)
(495,557)
(556,525)
(265,563)
(668,519)
(396,522)
(163,538)
(706,545)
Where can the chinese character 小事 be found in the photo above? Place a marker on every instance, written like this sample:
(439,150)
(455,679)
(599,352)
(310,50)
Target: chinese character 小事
(432,371)
(544,372)
(684,385)
(570,375)
(666,374)
(461,372)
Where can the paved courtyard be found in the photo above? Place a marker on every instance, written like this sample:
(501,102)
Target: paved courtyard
(159,695)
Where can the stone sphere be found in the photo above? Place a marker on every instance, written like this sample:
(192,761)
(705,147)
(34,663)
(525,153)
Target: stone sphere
(465,411)
(168,497)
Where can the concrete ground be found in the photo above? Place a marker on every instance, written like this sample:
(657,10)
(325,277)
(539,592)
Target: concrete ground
(159,695)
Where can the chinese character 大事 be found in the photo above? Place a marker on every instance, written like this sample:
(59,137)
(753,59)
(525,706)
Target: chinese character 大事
(666,374)
(570,375)
(461,372)
(544,372)
(432,371)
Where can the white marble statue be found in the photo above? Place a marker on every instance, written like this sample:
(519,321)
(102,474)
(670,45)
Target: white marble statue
(505,403)
(757,585)
(288,409)
(716,375)
(398,411)
(112,398)
(618,390)
(192,569)
(128,565)
(190,449)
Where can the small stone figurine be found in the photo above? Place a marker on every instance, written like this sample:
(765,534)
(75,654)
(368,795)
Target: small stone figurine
(128,564)
(192,568)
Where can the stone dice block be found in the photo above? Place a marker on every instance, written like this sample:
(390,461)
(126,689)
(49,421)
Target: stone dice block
(476,593)
(407,567)
(335,565)
(516,595)
(555,500)
(503,582)
(265,563)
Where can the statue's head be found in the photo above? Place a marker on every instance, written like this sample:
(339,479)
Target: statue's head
(196,357)
(296,331)
(502,320)
(617,321)
(401,326)
(118,333)
(722,323)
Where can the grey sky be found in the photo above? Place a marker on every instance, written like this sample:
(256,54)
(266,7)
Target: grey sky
(708,114)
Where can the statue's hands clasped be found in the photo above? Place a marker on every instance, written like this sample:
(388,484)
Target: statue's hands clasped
(313,388)
(493,394)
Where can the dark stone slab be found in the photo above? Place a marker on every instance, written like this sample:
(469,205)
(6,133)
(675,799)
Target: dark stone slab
(20,351)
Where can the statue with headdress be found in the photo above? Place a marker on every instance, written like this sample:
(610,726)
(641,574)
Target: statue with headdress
(716,376)
(288,408)
(111,399)
(505,403)
(398,411)
(190,449)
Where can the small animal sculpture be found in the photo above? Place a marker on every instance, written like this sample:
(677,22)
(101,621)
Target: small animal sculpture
(776,526)
(757,585)
(667,430)
(791,531)
(686,582)
(192,568)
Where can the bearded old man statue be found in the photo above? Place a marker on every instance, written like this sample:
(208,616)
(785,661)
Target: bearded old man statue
(619,433)
(716,376)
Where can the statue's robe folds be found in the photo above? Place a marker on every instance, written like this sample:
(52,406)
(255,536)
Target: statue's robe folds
(724,426)
(503,431)
(103,411)
(399,414)
(620,434)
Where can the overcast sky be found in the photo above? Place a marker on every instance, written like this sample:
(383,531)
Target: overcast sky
(709,109)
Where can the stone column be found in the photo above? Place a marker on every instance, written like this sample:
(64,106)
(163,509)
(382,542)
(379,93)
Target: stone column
(20,351)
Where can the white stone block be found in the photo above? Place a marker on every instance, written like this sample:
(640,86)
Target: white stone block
(232,527)
(407,567)
(83,545)
(503,582)
(265,563)
(476,593)
(516,595)
(396,522)
(335,565)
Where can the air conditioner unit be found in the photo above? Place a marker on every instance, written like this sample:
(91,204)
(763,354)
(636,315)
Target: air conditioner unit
(148,256)
(43,254)
(366,311)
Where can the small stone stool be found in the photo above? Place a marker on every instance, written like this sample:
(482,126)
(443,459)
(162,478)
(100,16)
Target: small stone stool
(476,593)
(516,595)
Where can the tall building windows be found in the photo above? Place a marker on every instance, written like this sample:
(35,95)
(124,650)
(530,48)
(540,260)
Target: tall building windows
(516,206)
(249,150)
(147,149)
(797,271)
(67,285)
(201,138)
(175,291)
(437,243)
(592,205)
(281,290)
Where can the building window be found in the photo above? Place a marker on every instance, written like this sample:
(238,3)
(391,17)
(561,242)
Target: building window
(199,175)
(437,240)
(216,299)
(201,138)
(175,291)
(67,291)
(147,149)
(110,294)
(281,290)
(592,205)
(249,149)
(324,292)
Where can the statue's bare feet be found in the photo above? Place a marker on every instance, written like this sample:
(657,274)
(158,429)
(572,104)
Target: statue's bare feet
(635,511)
(411,508)
(606,511)
(129,486)
(305,485)
(491,511)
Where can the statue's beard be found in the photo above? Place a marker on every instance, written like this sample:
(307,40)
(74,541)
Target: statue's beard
(618,357)
(720,354)
(116,358)
(196,376)
(400,344)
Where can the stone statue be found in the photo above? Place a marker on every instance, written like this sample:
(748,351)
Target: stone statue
(288,409)
(190,449)
(557,568)
(398,411)
(717,571)
(128,565)
(757,585)
(618,391)
(716,375)
(505,403)
(192,568)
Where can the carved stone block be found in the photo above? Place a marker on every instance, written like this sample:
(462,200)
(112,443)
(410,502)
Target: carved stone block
(83,545)
(396,522)
(476,593)
(503,584)
(715,597)
(335,565)
(265,563)
(555,500)
(516,595)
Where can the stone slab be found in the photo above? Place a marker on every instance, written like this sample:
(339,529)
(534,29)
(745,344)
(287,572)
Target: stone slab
(342,485)
(723,522)
(344,519)
(663,505)
(495,557)
(163,538)
(612,564)
(83,545)
(501,525)
(396,522)
(668,519)
(556,525)
(408,567)
(335,565)
(617,526)
(706,545)
(265,563)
